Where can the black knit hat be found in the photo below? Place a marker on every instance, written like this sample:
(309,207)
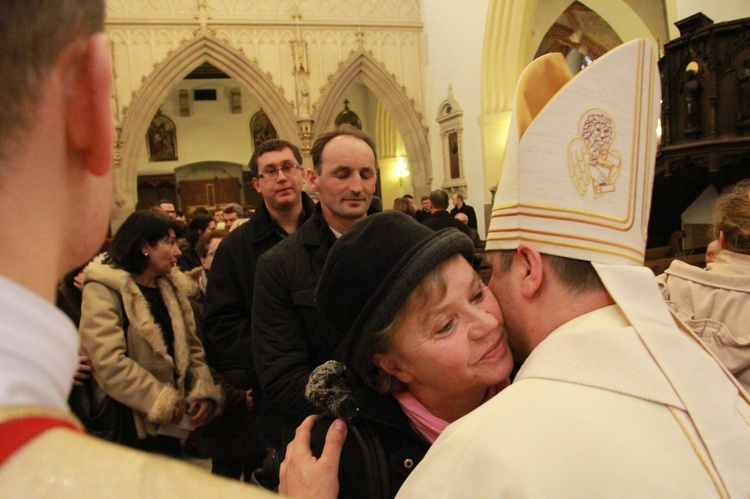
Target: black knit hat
(371,271)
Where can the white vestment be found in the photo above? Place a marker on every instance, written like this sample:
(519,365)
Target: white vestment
(589,415)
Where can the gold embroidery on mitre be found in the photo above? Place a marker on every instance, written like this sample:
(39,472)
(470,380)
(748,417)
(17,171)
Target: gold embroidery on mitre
(590,157)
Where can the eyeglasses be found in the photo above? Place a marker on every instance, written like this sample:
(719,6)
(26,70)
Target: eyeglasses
(273,173)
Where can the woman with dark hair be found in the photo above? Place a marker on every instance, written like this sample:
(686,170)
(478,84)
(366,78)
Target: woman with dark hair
(199,225)
(137,327)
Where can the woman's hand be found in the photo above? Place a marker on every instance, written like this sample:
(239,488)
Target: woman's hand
(201,411)
(84,370)
(78,281)
(178,412)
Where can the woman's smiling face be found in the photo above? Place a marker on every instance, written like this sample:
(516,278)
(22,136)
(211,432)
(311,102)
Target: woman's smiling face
(451,347)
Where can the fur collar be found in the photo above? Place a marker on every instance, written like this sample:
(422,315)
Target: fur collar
(175,289)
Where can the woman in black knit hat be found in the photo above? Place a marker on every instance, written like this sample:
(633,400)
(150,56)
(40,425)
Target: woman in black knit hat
(424,345)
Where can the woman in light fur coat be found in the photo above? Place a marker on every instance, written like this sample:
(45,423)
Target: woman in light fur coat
(155,364)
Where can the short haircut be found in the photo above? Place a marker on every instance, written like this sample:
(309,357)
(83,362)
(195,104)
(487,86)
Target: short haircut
(33,33)
(576,275)
(376,203)
(424,198)
(140,228)
(732,217)
(316,152)
(459,195)
(234,208)
(439,199)
(201,247)
(407,196)
(163,201)
(272,145)
(200,211)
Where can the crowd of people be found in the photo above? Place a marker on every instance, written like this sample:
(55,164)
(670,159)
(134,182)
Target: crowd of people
(324,349)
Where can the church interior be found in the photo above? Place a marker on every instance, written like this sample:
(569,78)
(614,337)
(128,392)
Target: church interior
(198,83)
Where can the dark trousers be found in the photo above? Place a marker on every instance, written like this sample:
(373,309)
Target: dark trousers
(164,445)
(236,468)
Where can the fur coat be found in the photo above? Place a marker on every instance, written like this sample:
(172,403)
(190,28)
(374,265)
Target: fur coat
(139,372)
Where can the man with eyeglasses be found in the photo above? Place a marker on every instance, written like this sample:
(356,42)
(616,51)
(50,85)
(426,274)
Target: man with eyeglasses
(289,335)
(278,177)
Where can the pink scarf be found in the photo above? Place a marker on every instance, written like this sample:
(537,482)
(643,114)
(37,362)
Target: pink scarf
(423,421)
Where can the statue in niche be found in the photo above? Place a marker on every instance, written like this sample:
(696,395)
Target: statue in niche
(692,103)
(161,139)
(453,155)
(743,77)
(303,96)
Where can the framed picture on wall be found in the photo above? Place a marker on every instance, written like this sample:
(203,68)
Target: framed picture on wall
(161,139)
(261,128)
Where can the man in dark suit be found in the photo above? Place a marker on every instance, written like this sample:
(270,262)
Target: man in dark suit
(440,218)
(460,207)
(424,212)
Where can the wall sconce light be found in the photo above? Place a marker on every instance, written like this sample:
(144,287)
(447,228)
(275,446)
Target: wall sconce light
(401,170)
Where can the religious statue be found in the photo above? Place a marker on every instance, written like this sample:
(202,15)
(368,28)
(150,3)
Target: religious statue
(743,77)
(303,96)
(692,102)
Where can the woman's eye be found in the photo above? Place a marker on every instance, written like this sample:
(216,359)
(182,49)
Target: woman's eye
(447,327)
(478,297)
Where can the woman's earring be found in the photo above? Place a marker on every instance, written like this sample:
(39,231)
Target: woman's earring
(145,254)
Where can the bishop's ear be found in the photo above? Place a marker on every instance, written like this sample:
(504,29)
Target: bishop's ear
(89,122)
(530,268)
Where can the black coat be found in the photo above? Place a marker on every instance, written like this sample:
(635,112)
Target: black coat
(422,215)
(442,219)
(229,299)
(470,214)
(379,428)
(290,337)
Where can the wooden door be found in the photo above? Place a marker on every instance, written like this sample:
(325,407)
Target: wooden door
(209,193)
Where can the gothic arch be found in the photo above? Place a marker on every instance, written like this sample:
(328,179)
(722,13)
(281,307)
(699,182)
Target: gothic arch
(513,31)
(363,68)
(169,73)
(508,47)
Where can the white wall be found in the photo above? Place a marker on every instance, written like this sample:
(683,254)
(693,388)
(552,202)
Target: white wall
(454,36)
(701,211)
(211,132)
